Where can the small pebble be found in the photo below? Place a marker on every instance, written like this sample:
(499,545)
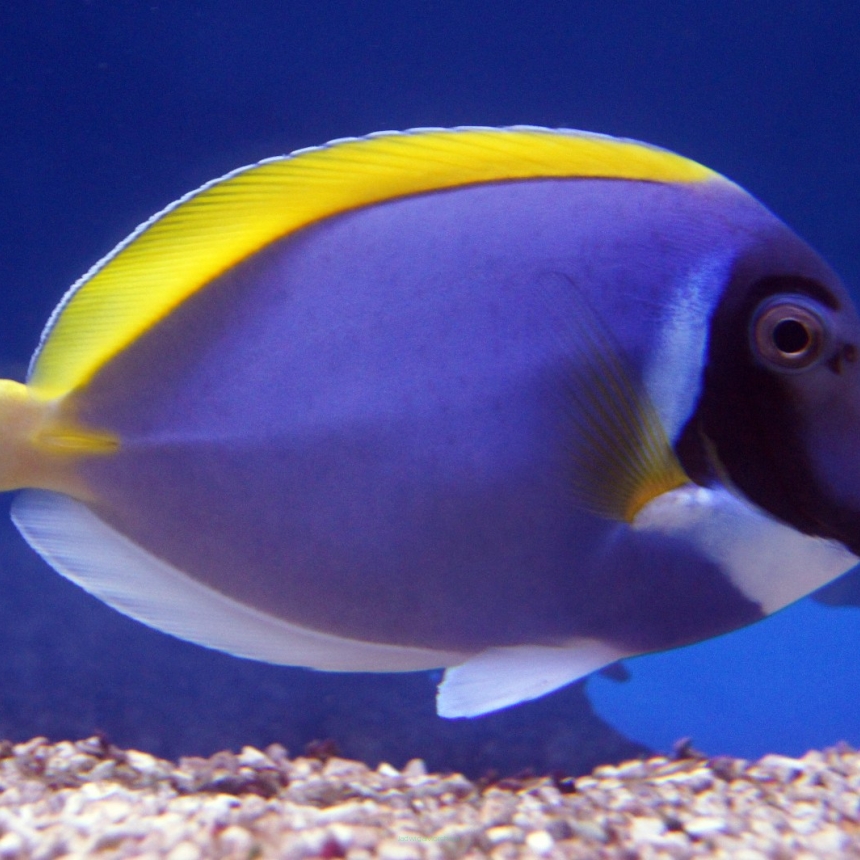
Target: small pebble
(504,833)
(11,845)
(415,768)
(645,829)
(392,849)
(540,841)
(704,826)
(236,840)
(254,758)
(185,851)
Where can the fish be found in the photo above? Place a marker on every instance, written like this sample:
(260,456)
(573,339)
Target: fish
(516,403)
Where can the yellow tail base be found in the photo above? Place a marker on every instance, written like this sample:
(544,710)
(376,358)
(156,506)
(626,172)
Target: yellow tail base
(40,446)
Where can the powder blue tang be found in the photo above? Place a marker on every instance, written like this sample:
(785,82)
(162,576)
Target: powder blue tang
(514,402)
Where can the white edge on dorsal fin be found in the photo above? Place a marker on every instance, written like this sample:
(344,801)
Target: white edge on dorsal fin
(500,677)
(83,548)
(768,561)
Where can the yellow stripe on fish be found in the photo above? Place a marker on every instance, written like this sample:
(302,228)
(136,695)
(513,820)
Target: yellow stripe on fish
(204,234)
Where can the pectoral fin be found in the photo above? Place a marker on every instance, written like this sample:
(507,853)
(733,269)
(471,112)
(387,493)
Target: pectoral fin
(620,455)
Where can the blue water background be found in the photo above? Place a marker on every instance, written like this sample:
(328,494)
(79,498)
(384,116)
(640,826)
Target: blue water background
(110,109)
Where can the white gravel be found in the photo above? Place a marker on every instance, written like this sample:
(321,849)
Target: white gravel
(91,800)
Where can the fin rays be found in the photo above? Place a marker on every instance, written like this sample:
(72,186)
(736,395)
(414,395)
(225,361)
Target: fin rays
(621,458)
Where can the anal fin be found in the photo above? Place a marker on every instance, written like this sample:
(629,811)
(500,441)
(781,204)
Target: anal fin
(500,677)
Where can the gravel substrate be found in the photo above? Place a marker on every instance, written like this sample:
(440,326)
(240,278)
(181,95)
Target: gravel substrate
(90,799)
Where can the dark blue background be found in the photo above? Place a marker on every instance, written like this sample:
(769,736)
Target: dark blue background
(109,109)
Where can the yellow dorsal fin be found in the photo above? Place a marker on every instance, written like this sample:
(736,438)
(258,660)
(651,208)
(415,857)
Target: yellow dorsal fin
(207,232)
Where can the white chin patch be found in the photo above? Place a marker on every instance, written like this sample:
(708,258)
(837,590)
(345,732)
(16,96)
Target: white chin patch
(770,562)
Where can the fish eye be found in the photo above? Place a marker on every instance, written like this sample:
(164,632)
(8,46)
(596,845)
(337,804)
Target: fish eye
(788,333)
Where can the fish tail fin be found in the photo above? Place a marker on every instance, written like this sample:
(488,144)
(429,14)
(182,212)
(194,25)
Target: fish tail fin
(39,447)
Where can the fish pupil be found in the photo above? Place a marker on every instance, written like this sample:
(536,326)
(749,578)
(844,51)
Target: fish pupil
(791,337)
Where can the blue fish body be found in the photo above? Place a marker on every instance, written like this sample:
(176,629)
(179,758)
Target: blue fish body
(475,422)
